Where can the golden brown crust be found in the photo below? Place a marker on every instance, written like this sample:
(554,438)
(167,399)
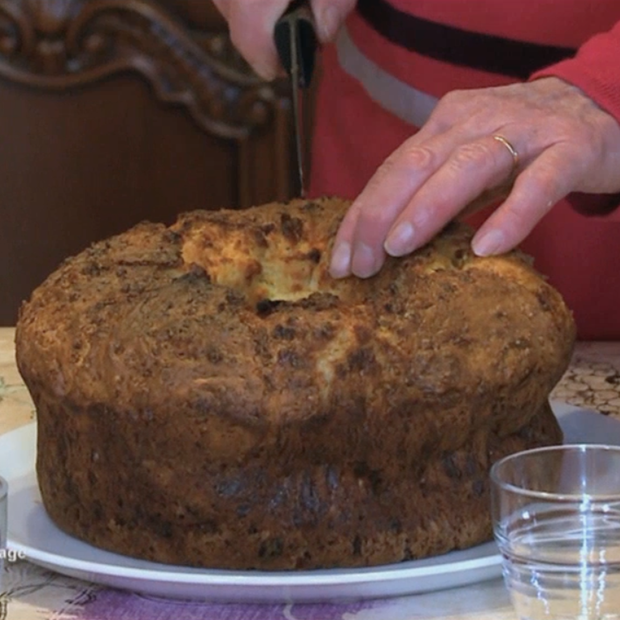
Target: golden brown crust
(208,395)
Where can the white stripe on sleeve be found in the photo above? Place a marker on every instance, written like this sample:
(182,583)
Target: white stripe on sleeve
(399,98)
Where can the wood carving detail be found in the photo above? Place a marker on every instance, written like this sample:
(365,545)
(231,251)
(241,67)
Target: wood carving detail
(64,44)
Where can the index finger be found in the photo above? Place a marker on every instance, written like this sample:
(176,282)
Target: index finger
(384,198)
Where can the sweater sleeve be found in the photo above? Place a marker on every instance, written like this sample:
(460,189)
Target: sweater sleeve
(595,69)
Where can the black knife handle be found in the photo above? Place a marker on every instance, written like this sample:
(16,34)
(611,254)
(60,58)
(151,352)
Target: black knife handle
(298,16)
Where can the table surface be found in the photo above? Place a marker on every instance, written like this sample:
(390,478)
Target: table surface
(29,592)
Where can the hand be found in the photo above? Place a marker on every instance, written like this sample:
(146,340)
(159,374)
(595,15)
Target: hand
(252,22)
(564,141)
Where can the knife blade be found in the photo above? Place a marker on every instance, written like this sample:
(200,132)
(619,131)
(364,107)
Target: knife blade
(296,42)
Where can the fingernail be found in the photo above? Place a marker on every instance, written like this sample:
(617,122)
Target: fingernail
(328,24)
(340,266)
(400,241)
(491,243)
(363,264)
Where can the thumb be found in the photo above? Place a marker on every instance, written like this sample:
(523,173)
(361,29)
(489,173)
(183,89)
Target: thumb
(330,15)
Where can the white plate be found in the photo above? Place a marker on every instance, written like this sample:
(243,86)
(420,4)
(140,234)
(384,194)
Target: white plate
(33,533)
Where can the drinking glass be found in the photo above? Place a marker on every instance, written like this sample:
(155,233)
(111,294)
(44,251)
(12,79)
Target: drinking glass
(556,520)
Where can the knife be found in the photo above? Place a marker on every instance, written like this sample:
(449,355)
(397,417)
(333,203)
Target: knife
(296,42)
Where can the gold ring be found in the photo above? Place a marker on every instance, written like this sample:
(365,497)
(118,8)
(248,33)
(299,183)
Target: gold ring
(511,149)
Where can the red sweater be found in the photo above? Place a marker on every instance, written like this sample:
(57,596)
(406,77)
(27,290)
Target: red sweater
(394,59)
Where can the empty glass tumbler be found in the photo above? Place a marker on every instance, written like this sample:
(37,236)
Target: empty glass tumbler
(556,519)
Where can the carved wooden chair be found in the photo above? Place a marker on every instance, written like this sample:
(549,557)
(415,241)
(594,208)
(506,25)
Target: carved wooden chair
(115,111)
